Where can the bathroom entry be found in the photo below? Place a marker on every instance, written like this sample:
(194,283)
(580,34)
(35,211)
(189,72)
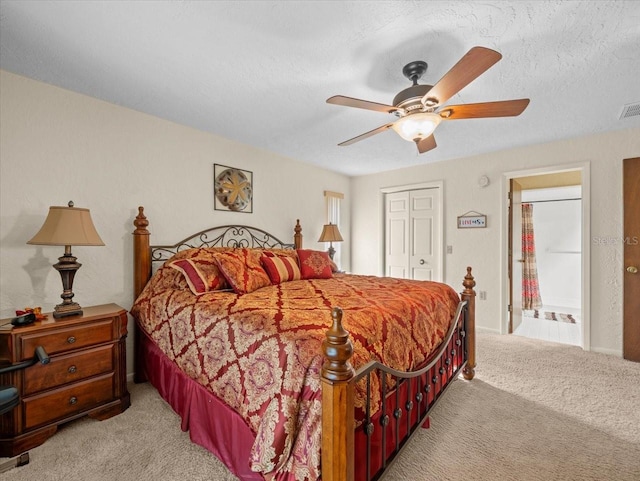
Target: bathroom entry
(545,240)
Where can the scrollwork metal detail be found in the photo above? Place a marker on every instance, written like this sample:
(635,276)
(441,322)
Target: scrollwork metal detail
(234,236)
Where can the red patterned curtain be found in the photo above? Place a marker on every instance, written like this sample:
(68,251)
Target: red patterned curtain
(530,289)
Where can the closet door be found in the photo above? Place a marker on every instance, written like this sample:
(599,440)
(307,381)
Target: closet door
(425,233)
(397,235)
(413,235)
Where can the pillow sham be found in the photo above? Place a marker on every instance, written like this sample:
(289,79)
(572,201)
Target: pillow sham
(202,275)
(242,270)
(274,251)
(280,268)
(314,264)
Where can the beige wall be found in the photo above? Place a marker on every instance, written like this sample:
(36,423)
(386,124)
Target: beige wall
(482,249)
(56,146)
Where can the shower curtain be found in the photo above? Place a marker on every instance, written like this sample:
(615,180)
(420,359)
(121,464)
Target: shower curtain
(530,289)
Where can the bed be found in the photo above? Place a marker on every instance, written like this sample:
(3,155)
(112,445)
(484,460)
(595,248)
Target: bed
(325,377)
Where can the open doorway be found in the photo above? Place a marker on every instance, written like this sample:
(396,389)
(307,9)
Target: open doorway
(547,248)
(554,222)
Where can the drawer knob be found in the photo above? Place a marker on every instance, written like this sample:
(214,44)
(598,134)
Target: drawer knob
(73,400)
(72,369)
(71,339)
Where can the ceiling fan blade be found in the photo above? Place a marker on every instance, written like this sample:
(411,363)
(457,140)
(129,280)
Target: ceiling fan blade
(475,62)
(365,135)
(426,144)
(362,104)
(505,108)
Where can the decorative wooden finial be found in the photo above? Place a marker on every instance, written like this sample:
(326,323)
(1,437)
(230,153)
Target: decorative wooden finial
(469,283)
(337,350)
(297,236)
(141,222)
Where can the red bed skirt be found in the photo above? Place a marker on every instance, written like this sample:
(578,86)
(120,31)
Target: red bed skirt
(210,422)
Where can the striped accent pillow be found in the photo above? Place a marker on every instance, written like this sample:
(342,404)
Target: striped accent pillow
(201,278)
(281,268)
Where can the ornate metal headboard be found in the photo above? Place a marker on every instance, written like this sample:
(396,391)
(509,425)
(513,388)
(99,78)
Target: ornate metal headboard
(237,236)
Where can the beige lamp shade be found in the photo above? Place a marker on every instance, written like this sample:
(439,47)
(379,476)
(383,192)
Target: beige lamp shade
(67,226)
(330,233)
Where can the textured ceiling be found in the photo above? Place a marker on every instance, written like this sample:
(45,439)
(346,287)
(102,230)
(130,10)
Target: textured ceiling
(260,72)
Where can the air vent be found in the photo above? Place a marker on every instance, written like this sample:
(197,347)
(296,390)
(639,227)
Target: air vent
(630,110)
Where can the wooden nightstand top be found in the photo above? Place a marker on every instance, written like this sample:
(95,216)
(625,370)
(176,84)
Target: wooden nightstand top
(10,338)
(89,313)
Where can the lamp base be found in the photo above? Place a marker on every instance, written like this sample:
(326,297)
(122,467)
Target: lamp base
(66,310)
(67,266)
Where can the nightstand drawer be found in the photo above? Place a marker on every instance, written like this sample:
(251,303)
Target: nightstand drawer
(66,339)
(68,368)
(44,408)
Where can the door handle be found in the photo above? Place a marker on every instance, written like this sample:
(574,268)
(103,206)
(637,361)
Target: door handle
(632,270)
(521,260)
(421,262)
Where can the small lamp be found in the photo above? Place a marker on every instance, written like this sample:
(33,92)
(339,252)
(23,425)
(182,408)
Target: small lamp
(67,226)
(330,234)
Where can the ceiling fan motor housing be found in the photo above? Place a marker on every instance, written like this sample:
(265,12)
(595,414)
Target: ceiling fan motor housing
(409,98)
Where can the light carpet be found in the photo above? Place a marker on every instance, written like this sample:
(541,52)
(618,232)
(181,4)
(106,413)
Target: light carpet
(535,411)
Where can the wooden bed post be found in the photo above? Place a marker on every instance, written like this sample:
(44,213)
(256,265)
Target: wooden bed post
(469,295)
(141,275)
(141,253)
(337,403)
(297,237)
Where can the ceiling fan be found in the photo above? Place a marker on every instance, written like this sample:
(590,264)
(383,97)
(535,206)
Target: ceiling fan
(420,107)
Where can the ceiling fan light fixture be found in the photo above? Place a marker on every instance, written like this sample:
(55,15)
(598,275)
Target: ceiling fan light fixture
(417,126)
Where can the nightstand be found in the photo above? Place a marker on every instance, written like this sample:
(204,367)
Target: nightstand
(86,374)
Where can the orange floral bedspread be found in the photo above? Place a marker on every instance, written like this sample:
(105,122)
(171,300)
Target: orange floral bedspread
(260,352)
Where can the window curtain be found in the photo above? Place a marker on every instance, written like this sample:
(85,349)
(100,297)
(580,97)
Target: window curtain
(530,289)
(333,216)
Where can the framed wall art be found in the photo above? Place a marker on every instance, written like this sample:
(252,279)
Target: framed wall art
(232,189)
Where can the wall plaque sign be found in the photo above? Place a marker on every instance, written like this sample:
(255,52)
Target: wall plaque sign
(472,220)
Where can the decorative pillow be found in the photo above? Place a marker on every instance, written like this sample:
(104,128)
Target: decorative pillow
(280,252)
(242,270)
(280,268)
(314,264)
(201,275)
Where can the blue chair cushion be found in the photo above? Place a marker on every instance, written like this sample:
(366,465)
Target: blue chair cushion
(9,398)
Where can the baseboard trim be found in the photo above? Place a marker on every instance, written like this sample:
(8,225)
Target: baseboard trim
(609,352)
(487,330)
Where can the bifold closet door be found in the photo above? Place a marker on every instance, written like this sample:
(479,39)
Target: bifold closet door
(413,235)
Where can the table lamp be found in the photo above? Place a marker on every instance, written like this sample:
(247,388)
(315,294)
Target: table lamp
(67,226)
(330,234)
